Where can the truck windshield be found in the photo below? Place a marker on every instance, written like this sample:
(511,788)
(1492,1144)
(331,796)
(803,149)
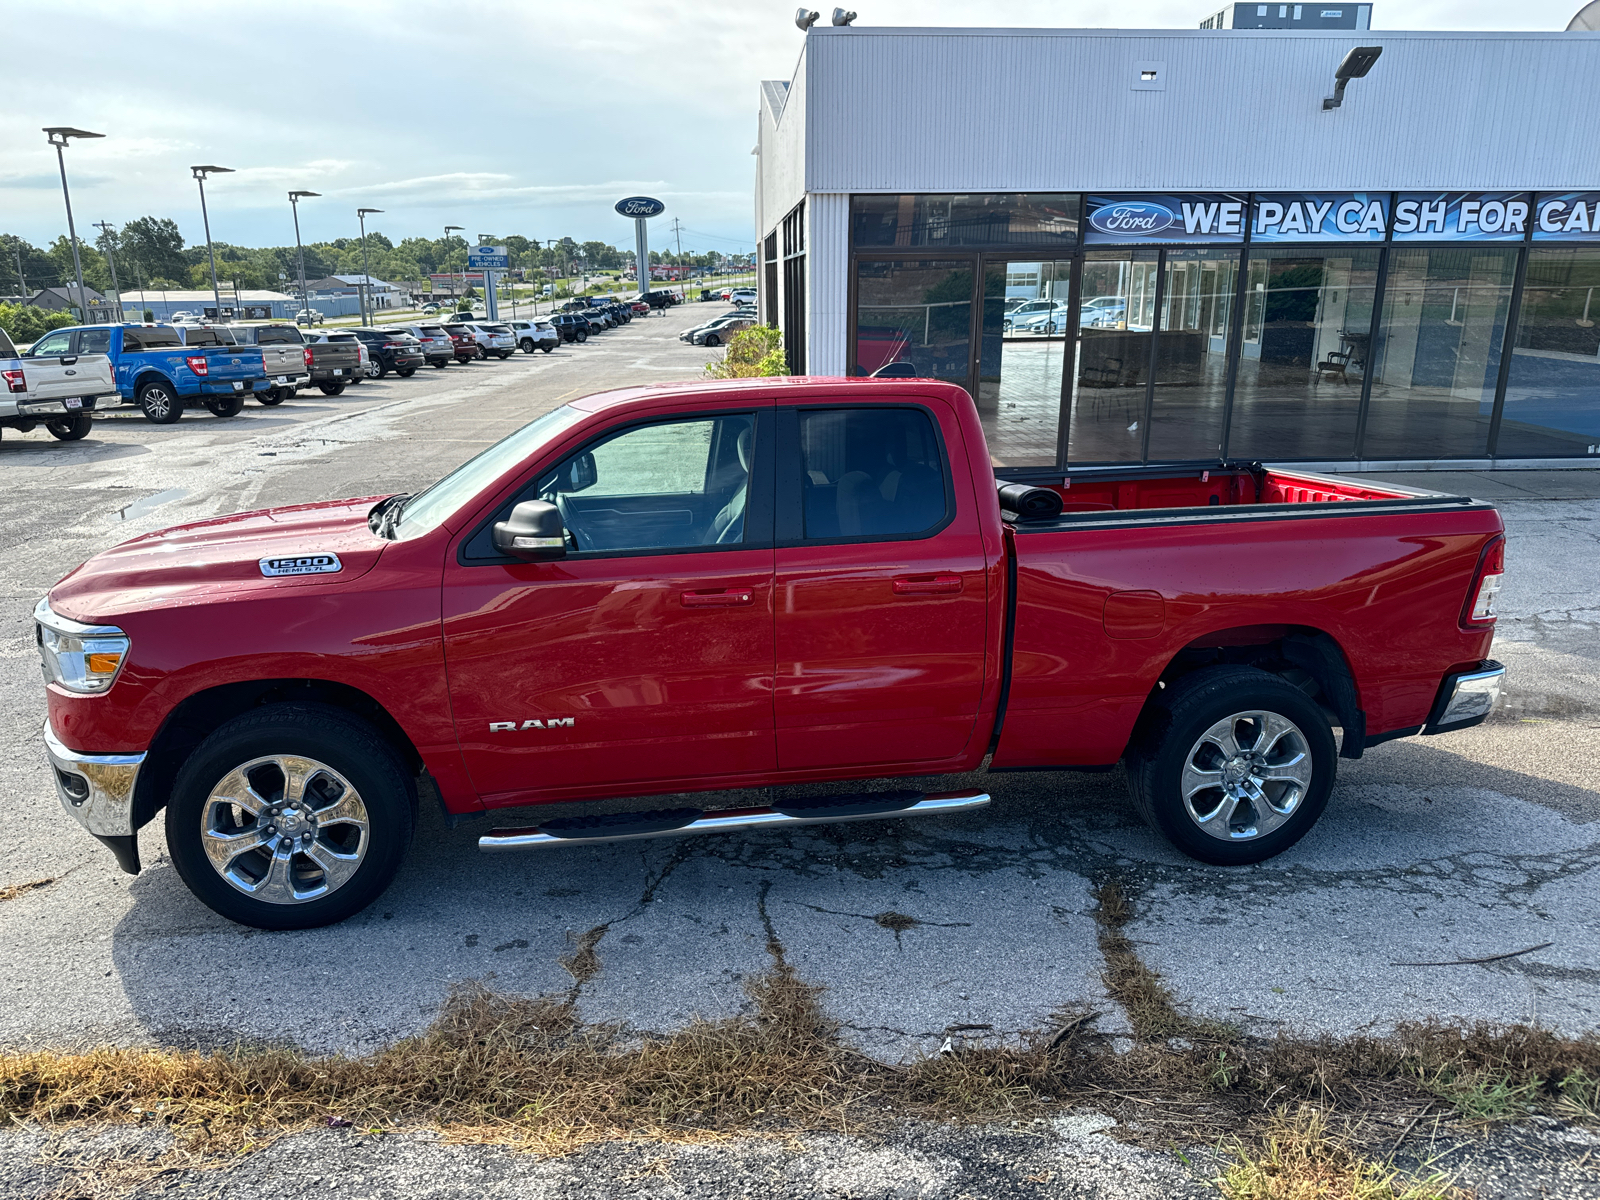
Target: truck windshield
(7,350)
(427,510)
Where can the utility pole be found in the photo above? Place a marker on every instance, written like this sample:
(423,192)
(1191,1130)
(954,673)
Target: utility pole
(366,271)
(447,230)
(105,228)
(200,174)
(300,253)
(21,278)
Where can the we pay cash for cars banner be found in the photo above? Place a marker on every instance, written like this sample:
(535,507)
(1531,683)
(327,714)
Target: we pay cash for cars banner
(1566,216)
(1320,217)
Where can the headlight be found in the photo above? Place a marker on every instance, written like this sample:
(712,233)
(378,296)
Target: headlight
(81,658)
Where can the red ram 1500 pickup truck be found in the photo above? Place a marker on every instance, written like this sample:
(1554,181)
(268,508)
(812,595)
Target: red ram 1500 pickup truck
(688,588)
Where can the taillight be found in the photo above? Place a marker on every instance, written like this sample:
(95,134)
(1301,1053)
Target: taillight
(1486,585)
(306,350)
(15,381)
(198,364)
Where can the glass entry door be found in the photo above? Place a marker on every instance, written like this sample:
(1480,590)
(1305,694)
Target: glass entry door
(1027,316)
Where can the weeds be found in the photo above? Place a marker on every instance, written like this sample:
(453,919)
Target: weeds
(14,890)
(1299,1160)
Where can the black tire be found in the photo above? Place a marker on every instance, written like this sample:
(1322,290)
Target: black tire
(228,406)
(442,364)
(405,372)
(331,389)
(343,746)
(482,354)
(70,429)
(547,347)
(159,403)
(582,335)
(713,340)
(527,346)
(1179,721)
(272,396)
(378,369)
(504,354)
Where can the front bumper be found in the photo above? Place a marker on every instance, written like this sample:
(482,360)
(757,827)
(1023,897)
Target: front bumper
(1467,698)
(97,792)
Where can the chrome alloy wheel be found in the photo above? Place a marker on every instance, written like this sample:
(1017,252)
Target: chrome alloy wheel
(284,829)
(1246,775)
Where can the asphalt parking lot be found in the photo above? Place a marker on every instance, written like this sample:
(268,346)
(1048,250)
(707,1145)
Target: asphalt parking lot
(1464,846)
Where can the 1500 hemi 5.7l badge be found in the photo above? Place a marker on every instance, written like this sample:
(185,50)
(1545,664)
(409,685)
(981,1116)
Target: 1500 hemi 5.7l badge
(547,723)
(303,564)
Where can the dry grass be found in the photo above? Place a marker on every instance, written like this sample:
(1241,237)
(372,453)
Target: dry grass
(529,1073)
(1298,1159)
(18,889)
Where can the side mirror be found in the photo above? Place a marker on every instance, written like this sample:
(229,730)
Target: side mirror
(533,532)
(577,474)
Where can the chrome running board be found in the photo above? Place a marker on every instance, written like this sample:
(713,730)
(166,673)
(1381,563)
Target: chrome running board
(822,810)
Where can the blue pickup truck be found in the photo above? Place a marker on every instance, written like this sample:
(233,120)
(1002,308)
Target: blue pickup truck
(155,370)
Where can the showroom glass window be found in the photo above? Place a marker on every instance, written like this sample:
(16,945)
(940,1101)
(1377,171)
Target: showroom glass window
(965,220)
(1308,324)
(1022,353)
(1189,400)
(1116,321)
(1438,353)
(1552,405)
(917,312)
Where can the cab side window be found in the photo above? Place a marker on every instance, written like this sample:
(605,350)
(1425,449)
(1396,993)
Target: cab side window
(870,472)
(666,485)
(53,343)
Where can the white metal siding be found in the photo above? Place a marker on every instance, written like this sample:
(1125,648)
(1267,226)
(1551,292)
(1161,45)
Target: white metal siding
(1046,110)
(827,281)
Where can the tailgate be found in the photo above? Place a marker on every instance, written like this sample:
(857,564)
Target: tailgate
(227,363)
(57,378)
(336,354)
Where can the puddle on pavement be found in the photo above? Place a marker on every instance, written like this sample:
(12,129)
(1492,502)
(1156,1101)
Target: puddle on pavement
(140,507)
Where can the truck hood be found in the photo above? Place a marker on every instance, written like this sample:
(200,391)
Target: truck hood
(222,557)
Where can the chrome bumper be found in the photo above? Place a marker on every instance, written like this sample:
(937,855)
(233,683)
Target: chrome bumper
(96,789)
(1467,699)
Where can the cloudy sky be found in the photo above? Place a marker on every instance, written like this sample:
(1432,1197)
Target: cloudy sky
(503,117)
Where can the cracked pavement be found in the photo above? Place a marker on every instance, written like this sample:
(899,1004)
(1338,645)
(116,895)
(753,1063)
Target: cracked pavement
(1462,846)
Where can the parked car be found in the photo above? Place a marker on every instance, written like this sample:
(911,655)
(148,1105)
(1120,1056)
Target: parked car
(722,330)
(743,295)
(1102,311)
(308,317)
(1108,623)
(1037,317)
(659,299)
(538,334)
(437,346)
(153,368)
(494,339)
(688,335)
(283,356)
(429,309)
(597,324)
(337,361)
(391,349)
(571,327)
(464,341)
(55,389)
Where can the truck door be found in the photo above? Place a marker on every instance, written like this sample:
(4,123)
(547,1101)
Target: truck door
(881,576)
(644,656)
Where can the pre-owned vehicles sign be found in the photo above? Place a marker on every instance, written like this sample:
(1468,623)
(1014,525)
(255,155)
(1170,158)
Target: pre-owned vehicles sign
(488,258)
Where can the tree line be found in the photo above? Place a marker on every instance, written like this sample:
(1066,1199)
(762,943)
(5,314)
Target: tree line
(150,253)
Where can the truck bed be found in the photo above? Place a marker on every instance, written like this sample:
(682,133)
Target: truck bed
(1122,491)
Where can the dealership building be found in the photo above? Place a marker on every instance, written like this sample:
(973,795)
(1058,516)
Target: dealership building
(1139,246)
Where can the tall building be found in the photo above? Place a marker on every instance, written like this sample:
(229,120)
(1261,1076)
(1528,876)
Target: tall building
(1291,16)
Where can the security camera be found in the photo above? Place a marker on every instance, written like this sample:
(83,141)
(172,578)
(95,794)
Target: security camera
(805,18)
(841,17)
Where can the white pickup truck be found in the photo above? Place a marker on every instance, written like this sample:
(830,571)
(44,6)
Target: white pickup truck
(53,385)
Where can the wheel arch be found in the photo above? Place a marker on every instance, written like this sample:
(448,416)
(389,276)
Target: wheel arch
(197,716)
(1312,659)
(150,375)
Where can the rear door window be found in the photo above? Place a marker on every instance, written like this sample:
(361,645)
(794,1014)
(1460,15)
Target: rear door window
(94,341)
(875,472)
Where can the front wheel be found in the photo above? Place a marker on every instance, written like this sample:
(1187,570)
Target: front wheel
(229,406)
(331,389)
(1232,764)
(70,429)
(159,404)
(290,817)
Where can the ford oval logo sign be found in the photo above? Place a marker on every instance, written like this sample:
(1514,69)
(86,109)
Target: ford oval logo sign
(1135,217)
(640,206)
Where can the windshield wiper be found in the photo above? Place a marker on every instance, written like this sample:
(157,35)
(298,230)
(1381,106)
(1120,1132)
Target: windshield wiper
(386,515)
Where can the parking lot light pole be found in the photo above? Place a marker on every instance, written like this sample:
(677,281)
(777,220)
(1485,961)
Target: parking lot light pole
(105,227)
(448,229)
(200,174)
(366,272)
(58,135)
(300,253)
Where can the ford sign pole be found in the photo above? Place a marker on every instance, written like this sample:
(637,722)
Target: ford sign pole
(641,209)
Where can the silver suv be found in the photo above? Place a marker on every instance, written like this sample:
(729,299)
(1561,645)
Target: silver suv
(494,339)
(437,345)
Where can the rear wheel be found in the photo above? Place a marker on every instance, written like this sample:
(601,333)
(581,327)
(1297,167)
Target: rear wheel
(442,364)
(331,389)
(548,346)
(228,406)
(405,372)
(504,354)
(159,404)
(70,429)
(377,368)
(583,335)
(1232,764)
(527,345)
(713,340)
(290,817)
(272,396)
